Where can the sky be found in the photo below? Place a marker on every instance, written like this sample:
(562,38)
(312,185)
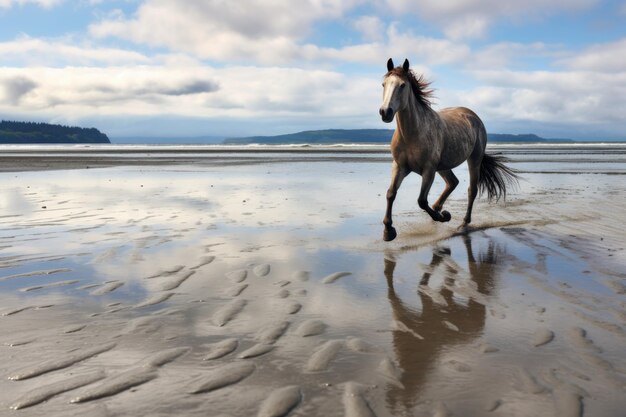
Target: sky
(172,68)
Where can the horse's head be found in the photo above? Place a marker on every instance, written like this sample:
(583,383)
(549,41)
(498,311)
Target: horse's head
(395,90)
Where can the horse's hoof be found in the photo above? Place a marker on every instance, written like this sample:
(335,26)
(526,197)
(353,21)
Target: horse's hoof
(446,216)
(389,234)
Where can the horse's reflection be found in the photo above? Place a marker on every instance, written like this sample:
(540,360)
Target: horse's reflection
(439,315)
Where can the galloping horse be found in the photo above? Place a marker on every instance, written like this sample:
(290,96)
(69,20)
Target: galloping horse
(428,142)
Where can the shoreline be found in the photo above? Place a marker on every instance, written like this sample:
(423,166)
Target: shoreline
(38,158)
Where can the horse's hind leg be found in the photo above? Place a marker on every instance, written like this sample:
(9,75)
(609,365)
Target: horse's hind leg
(427,181)
(397,175)
(451,182)
(474,175)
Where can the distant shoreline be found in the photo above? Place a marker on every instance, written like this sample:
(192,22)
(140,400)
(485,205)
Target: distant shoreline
(331,137)
(14,158)
(363,136)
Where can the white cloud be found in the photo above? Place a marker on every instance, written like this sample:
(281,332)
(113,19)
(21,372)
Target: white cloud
(606,57)
(114,90)
(504,55)
(193,91)
(265,31)
(30,51)
(270,33)
(422,51)
(370,27)
(576,98)
(5,4)
(461,19)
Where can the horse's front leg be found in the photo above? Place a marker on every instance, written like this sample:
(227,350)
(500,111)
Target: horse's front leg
(397,175)
(427,181)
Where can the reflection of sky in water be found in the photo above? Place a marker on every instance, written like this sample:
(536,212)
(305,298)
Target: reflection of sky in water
(115,214)
(132,220)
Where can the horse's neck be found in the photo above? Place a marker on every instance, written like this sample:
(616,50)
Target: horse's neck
(416,122)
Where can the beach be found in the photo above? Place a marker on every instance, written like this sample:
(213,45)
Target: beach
(243,281)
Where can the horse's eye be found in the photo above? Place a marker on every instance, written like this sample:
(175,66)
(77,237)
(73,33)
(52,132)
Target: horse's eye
(402,86)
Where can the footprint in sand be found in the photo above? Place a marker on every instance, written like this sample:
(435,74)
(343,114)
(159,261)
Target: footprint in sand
(261,270)
(237,276)
(293,307)
(542,337)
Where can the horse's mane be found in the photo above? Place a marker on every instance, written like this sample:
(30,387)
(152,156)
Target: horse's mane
(419,85)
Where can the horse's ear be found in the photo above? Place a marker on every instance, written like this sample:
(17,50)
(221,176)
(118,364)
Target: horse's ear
(389,64)
(405,66)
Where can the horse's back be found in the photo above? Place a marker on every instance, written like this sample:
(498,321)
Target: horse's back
(464,135)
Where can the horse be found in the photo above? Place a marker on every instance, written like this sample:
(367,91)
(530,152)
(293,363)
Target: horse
(428,142)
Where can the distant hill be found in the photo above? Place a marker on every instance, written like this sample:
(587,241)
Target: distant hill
(320,136)
(44,133)
(362,136)
(525,137)
(155,140)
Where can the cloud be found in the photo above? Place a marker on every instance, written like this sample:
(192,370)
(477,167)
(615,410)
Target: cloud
(370,27)
(269,33)
(265,31)
(15,88)
(30,51)
(111,90)
(503,55)
(142,88)
(421,50)
(461,19)
(194,91)
(606,57)
(574,98)
(47,4)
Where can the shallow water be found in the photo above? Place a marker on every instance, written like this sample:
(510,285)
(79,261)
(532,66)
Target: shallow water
(117,283)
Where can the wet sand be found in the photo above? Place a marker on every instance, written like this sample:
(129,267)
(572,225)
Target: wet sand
(258,284)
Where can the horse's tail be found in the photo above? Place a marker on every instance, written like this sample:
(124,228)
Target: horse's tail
(495,176)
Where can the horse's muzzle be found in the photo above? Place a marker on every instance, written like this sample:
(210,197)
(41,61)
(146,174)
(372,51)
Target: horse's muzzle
(386,114)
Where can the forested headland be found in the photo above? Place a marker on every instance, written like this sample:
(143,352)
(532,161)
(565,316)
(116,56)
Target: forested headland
(45,133)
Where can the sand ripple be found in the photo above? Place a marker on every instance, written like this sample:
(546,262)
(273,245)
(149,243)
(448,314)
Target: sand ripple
(281,402)
(221,348)
(221,377)
(60,363)
(324,355)
(116,384)
(228,312)
(354,402)
(46,392)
